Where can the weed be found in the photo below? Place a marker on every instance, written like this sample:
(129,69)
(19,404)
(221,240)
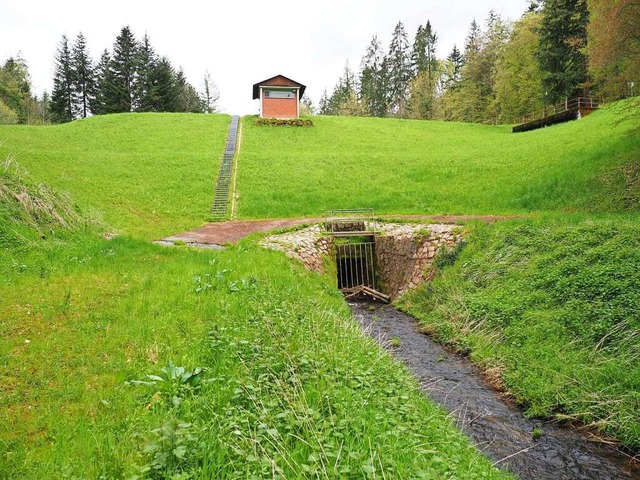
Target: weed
(536,433)
(395,342)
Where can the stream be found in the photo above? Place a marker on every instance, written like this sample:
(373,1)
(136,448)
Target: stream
(495,426)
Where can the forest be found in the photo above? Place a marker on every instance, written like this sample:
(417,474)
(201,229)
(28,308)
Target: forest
(130,78)
(558,49)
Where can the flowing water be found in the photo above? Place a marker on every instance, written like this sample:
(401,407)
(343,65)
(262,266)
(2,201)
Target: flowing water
(497,427)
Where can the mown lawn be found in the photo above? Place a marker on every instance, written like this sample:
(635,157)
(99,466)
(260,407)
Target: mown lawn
(418,167)
(553,310)
(146,175)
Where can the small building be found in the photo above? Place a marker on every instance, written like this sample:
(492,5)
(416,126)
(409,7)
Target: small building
(279,97)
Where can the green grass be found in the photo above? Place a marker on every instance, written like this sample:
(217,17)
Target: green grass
(120,358)
(552,308)
(147,175)
(422,167)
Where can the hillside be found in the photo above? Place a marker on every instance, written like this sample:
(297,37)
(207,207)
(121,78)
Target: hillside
(404,166)
(124,359)
(143,174)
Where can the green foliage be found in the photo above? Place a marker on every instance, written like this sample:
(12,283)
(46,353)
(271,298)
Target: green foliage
(7,115)
(518,85)
(437,167)
(279,122)
(145,174)
(555,306)
(29,213)
(562,56)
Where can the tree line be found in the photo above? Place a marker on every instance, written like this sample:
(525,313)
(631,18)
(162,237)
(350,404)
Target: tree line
(558,49)
(130,78)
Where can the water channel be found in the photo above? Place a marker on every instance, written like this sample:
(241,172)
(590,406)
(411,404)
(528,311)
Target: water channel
(495,426)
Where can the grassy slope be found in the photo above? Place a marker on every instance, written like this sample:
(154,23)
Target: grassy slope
(552,309)
(294,385)
(289,387)
(403,166)
(145,174)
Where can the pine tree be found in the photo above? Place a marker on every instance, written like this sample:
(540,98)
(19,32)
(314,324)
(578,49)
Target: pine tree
(323,104)
(62,98)
(104,85)
(456,62)
(473,41)
(563,38)
(164,78)
(430,51)
(84,85)
(188,98)
(123,66)
(145,90)
(372,80)
(418,54)
(398,64)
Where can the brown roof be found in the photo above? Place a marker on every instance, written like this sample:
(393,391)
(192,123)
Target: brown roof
(277,81)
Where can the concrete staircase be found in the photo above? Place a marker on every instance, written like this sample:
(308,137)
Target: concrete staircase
(221,197)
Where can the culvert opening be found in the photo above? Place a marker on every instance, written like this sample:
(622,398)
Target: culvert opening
(355,263)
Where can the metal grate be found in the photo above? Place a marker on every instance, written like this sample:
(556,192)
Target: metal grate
(355,263)
(221,196)
(350,222)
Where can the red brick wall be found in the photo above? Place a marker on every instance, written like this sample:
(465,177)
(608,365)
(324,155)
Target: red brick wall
(279,107)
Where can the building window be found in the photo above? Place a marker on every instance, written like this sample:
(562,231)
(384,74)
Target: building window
(279,94)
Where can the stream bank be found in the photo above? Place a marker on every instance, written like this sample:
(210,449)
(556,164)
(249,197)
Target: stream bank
(528,448)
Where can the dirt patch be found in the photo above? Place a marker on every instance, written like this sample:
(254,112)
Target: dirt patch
(529,448)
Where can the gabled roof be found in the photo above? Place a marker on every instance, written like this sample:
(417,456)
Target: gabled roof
(277,81)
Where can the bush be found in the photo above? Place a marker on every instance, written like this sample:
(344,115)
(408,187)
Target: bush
(278,122)
(7,115)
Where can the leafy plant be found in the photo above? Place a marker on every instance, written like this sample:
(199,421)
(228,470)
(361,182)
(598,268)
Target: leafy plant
(173,382)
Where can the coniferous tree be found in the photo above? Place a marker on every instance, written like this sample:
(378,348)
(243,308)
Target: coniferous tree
(62,97)
(123,66)
(168,91)
(398,63)
(323,104)
(188,99)
(145,90)
(418,53)
(104,84)
(563,38)
(372,80)
(84,85)
(456,62)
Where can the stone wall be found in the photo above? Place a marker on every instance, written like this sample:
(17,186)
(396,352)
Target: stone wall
(308,245)
(404,252)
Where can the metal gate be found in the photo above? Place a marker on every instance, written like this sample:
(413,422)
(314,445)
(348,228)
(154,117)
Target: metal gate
(356,265)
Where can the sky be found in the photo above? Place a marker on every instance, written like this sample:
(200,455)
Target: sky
(238,42)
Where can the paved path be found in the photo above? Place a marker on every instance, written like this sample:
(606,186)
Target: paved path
(221,233)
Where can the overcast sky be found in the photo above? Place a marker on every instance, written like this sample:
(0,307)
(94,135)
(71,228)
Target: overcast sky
(239,42)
